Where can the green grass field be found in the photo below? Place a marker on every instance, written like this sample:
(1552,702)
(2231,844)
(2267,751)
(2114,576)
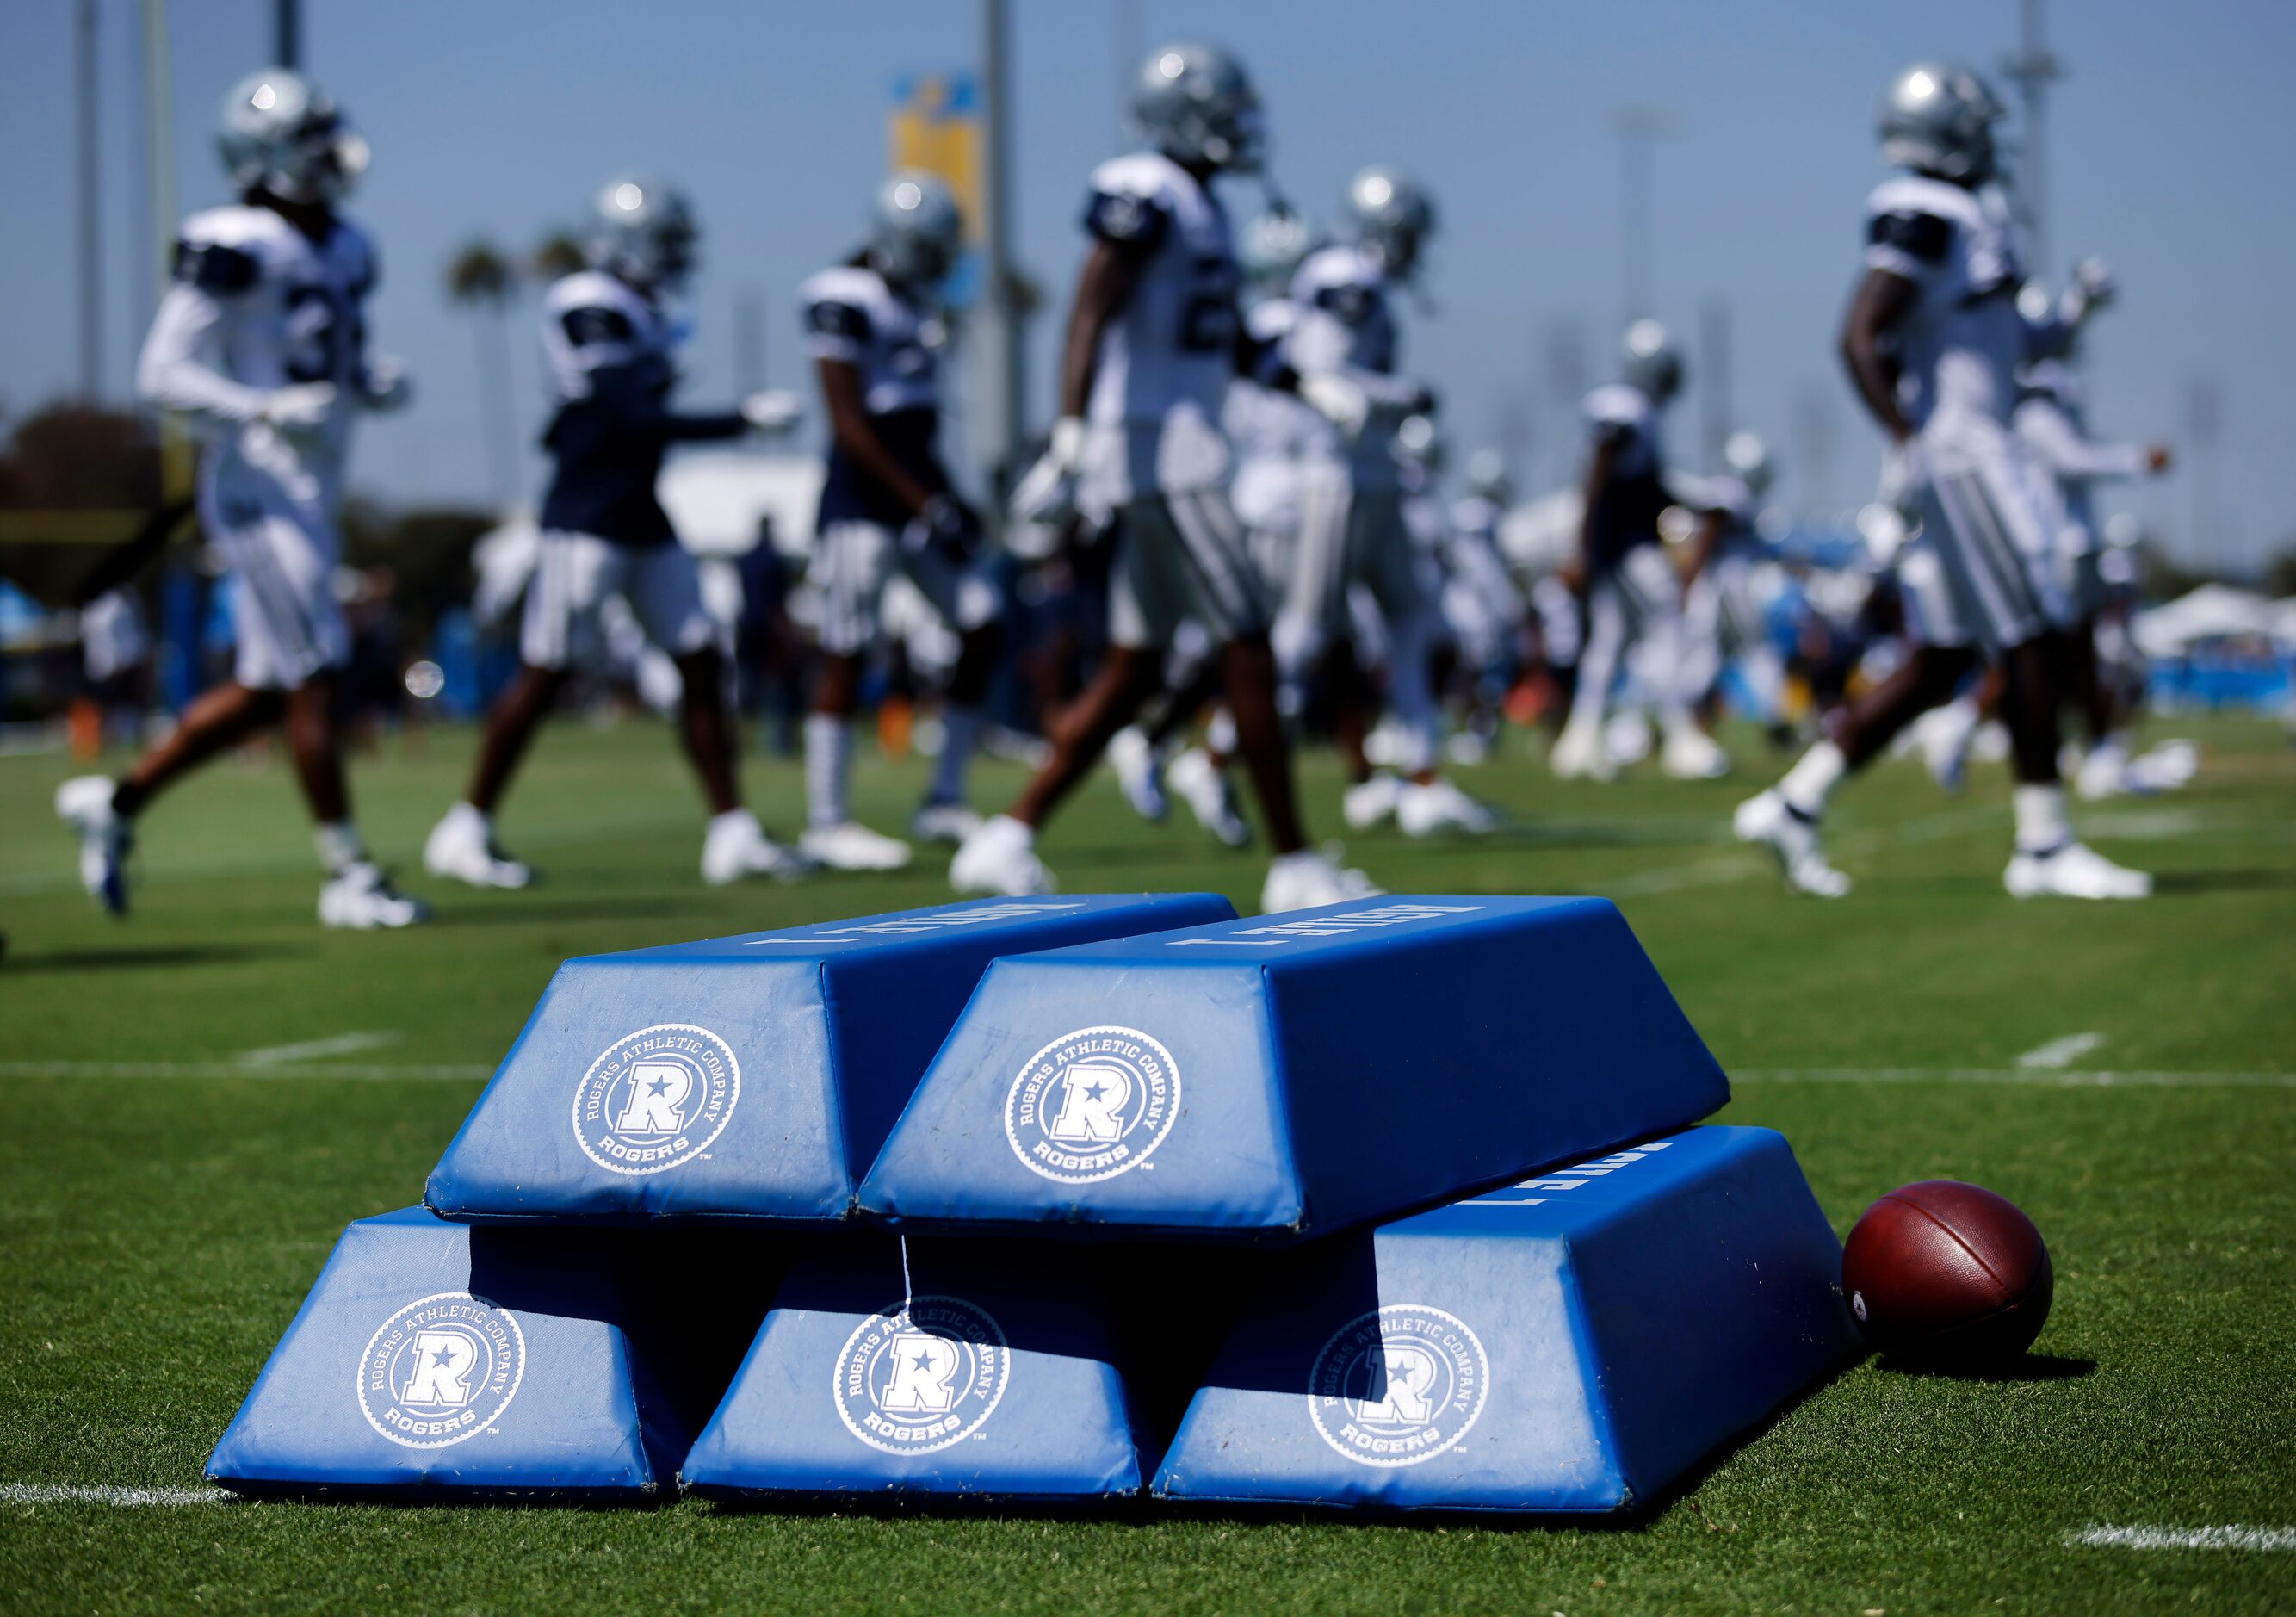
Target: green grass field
(196,1101)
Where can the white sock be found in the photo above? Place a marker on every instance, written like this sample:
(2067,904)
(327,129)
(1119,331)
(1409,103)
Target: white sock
(339,845)
(828,768)
(2041,825)
(1811,782)
(1219,735)
(960,735)
(470,818)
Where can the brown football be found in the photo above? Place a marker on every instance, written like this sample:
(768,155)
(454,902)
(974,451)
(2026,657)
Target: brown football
(1943,1270)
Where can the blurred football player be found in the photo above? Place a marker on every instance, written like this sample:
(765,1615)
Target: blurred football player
(887,508)
(607,332)
(1933,341)
(260,341)
(2052,422)
(1721,616)
(1269,430)
(1342,345)
(1151,342)
(1633,591)
(1481,606)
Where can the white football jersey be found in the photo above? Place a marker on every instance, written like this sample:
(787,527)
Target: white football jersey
(1161,373)
(854,316)
(1959,346)
(1272,431)
(255,306)
(1347,327)
(1173,348)
(592,322)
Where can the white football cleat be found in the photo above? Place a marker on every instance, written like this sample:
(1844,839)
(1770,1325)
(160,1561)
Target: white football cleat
(460,849)
(2168,766)
(2072,870)
(945,822)
(1945,736)
(1368,802)
(1140,772)
(1579,754)
(1692,755)
(1768,820)
(850,845)
(1422,810)
(361,898)
(105,838)
(1000,859)
(1199,784)
(736,846)
(1307,879)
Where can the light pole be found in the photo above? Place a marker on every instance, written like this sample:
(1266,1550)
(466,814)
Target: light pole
(287,33)
(91,239)
(2032,69)
(998,424)
(1637,128)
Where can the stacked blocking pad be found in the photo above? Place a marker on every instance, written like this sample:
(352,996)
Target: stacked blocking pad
(745,1079)
(1271,1081)
(1575,1342)
(435,1359)
(1256,1084)
(751,1076)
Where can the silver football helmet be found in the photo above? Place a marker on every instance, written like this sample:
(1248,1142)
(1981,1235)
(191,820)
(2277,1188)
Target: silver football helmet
(1747,458)
(915,230)
(1392,214)
(643,231)
(1651,361)
(1488,479)
(1271,249)
(282,134)
(1938,116)
(1196,104)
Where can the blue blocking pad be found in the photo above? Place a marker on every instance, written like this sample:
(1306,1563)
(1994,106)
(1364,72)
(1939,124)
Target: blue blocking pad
(439,1359)
(1575,1342)
(981,1368)
(746,1077)
(1271,1080)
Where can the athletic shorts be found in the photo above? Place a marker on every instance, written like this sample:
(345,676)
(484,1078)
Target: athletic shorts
(1181,556)
(1991,518)
(574,576)
(280,552)
(1348,537)
(854,561)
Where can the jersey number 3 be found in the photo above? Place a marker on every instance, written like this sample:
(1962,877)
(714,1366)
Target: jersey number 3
(324,335)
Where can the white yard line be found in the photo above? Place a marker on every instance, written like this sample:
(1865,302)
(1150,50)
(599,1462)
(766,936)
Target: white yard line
(2052,1077)
(2060,1052)
(342,1044)
(234,1069)
(105,1493)
(2184,1538)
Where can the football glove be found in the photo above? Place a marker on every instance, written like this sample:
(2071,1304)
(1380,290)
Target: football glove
(773,412)
(947,527)
(299,407)
(386,386)
(1047,495)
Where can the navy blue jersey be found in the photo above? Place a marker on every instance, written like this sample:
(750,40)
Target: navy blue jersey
(608,350)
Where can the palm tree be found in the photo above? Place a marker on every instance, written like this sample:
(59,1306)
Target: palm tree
(479,278)
(558,253)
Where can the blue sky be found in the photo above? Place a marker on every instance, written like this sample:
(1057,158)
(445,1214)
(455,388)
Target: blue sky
(500,119)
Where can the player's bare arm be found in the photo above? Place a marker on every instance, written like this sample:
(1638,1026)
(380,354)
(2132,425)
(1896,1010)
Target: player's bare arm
(1882,302)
